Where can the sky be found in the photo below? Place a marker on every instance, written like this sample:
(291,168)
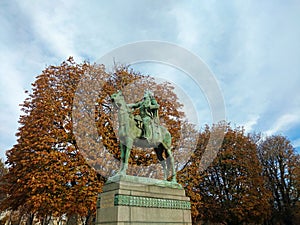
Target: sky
(251,47)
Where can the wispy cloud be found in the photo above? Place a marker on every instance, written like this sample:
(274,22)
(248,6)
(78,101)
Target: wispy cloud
(296,143)
(283,123)
(252,48)
(250,124)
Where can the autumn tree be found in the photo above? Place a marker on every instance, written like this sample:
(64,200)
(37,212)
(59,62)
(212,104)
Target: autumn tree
(54,170)
(281,167)
(47,174)
(133,84)
(230,190)
(3,171)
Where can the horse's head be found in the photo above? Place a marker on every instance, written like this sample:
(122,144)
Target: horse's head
(117,99)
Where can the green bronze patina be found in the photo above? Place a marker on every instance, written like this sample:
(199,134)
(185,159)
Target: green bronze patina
(139,201)
(143,130)
(148,202)
(143,181)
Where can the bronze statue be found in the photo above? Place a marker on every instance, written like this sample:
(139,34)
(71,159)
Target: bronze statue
(148,113)
(149,134)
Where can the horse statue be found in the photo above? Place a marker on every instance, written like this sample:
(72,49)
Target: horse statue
(130,133)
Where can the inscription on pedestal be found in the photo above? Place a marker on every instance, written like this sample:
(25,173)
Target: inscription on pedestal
(128,200)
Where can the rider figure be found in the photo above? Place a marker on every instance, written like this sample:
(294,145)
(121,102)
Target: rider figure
(148,112)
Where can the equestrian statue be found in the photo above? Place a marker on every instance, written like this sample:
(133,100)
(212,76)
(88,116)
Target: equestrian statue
(143,130)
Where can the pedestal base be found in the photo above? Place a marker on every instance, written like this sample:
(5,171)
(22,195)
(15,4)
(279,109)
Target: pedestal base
(133,200)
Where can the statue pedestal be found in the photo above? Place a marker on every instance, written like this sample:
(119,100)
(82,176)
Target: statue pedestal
(137,200)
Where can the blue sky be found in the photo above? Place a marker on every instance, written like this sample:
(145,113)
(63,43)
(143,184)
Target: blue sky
(252,47)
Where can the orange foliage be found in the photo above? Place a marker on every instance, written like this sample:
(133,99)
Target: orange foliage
(52,171)
(231,190)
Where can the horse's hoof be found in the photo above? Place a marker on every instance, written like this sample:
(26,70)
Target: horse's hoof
(121,173)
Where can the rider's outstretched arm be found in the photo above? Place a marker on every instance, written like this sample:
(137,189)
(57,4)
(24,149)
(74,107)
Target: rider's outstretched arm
(134,105)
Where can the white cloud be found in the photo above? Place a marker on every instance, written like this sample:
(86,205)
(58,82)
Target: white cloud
(253,49)
(51,26)
(283,123)
(249,125)
(186,25)
(12,94)
(296,143)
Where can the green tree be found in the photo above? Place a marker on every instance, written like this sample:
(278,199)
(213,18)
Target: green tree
(281,167)
(231,190)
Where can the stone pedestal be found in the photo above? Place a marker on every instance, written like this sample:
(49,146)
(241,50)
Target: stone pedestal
(136,200)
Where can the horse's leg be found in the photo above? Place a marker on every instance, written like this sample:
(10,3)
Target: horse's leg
(170,163)
(159,154)
(127,147)
(123,151)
